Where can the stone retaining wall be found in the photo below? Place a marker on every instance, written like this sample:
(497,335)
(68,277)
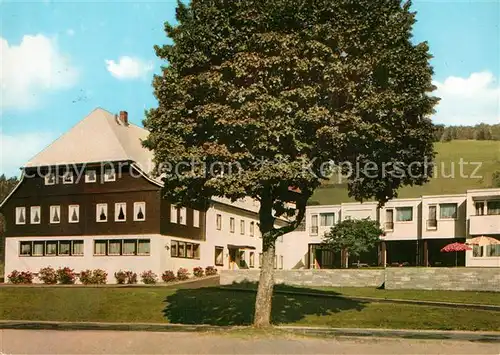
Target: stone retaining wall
(470,279)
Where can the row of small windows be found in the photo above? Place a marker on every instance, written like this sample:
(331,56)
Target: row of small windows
(112,247)
(51,248)
(179,249)
(69,177)
(219,259)
(232,225)
(74,213)
(179,215)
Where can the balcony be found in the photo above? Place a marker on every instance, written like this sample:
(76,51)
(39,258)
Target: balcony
(432,224)
(487,224)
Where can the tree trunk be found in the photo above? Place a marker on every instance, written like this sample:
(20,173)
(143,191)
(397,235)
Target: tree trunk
(263,301)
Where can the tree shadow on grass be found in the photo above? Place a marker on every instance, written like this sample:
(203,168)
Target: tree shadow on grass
(217,306)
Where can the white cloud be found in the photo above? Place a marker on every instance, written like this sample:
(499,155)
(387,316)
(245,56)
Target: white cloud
(128,68)
(468,101)
(30,69)
(17,149)
(70,32)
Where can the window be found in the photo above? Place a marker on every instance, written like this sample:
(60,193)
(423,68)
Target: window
(251,259)
(231,224)
(120,212)
(493,208)
(20,215)
(115,247)
(55,214)
(25,248)
(50,178)
(493,250)
(327,219)
(242,226)
(39,248)
(219,256)
(35,215)
(129,247)
(187,250)
(281,261)
(196,218)
(74,213)
(90,176)
(477,251)
(139,211)
(109,174)
(389,219)
(51,248)
(78,247)
(252,229)
(173,249)
(479,208)
(448,211)
(101,212)
(432,219)
(65,247)
(242,259)
(173,214)
(404,214)
(218,222)
(182,215)
(68,177)
(314,224)
(143,247)
(100,247)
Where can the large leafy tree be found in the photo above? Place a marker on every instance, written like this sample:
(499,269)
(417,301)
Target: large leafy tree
(264,92)
(353,236)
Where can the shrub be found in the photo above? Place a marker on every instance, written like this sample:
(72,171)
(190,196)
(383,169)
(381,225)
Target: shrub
(210,270)
(48,275)
(127,277)
(93,277)
(66,276)
(20,277)
(182,274)
(168,276)
(149,277)
(198,271)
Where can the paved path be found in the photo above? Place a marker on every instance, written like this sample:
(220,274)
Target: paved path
(113,342)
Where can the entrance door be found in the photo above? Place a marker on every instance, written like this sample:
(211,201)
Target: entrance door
(232,258)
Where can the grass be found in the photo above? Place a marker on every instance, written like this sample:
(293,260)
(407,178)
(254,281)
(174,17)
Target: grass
(217,306)
(487,153)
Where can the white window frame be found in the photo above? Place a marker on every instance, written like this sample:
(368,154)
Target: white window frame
(51,213)
(242,226)
(87,176)
(46,178)
(399,208)
(33,210)
(70,214)
(196,218)
(98,212)
(218,221)
(68,174)
(450,218)
(109,177)
(183,216)
(173,214)
(117,211)
(137,205)
(18,213)
(252,229)
(232,224)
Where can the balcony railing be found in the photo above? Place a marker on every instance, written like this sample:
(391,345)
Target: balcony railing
(389,226)
(432,224)
(314,230)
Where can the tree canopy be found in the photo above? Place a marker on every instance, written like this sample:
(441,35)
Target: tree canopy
(257,95)
(354,236)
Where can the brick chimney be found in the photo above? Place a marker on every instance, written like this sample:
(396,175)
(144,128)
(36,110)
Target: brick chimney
(124,117)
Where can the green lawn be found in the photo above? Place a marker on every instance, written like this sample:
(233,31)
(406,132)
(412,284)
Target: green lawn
(487,153)
(226,307)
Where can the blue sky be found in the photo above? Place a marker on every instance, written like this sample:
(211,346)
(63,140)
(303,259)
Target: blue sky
(60,60)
